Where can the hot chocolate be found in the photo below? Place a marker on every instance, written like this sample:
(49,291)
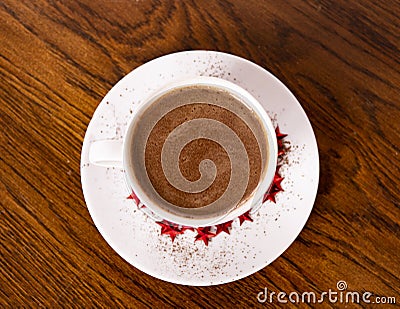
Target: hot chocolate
(198,150)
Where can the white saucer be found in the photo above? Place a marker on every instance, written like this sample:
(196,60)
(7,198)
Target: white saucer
(250,247)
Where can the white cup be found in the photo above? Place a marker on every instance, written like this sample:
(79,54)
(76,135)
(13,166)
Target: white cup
(109,153)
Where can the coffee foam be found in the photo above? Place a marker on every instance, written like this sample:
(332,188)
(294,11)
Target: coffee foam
(198,151)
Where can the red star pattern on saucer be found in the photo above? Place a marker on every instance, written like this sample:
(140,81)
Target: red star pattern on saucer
(275,187)
(170,229)
(224,227)
(245,217)
(279,134)
(206,233)
(277,181)
(270,196)
(134,197)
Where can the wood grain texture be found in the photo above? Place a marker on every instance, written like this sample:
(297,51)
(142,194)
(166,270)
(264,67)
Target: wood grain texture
(59,58)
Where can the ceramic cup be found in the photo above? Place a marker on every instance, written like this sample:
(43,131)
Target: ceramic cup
(118,153)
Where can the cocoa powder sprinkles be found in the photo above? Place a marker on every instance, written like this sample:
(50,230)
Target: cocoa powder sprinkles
(216,156)
(198,150)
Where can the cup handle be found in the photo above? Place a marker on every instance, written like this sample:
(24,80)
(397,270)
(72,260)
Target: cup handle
(106,153)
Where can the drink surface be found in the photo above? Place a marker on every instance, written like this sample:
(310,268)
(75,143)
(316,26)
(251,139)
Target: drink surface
(198,151)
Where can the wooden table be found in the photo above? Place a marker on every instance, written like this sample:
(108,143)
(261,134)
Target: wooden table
(341,59)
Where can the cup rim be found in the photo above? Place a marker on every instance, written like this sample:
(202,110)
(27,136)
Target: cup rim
(263,184)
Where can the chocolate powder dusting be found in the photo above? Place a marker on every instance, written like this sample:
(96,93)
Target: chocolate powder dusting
(181,106)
